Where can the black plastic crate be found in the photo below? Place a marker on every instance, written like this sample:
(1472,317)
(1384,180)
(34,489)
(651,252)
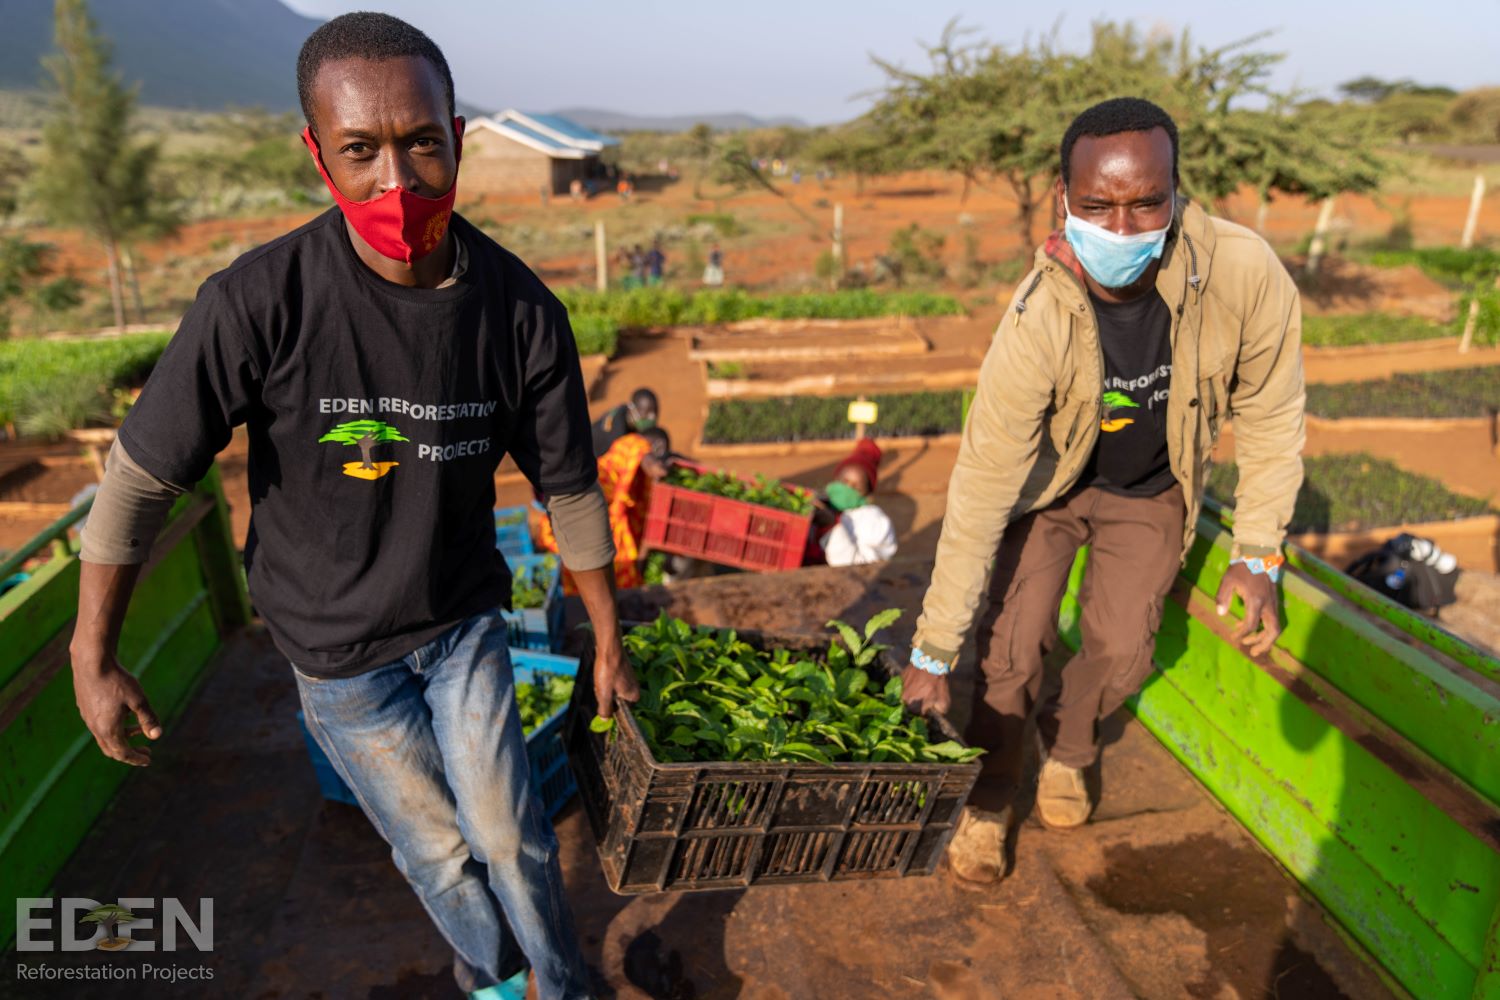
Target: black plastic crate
(678,827)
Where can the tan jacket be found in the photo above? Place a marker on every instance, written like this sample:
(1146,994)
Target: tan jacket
(1236,351)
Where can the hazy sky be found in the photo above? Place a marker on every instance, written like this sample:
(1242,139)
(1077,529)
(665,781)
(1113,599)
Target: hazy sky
(810,59)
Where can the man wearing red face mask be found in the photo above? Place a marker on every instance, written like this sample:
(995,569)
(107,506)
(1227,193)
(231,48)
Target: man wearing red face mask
(383,358)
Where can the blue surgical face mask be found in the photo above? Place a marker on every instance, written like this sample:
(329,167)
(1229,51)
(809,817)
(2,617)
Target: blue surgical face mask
(1113,260)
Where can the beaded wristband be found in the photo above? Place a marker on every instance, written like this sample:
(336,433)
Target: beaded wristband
(1263,565)
(930,664)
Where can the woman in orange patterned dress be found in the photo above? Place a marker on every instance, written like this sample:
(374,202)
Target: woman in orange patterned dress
(626,472)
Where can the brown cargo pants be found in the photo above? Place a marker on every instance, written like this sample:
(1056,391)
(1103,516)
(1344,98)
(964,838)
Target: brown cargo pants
(1136,547)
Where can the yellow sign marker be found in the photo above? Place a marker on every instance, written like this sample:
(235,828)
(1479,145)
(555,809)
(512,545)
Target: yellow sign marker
(863,412)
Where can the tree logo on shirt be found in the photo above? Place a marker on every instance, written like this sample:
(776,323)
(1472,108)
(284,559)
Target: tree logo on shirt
(1117,401)
(366,434)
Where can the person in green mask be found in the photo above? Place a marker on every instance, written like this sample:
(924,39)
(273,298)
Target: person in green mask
(861,532)
(640,414)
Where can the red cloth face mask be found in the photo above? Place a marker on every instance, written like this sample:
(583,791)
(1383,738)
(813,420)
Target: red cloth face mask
(398,224)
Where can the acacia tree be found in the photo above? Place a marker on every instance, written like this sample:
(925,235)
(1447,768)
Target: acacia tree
(110,916)
(366,434)
(94,175)
(987,112)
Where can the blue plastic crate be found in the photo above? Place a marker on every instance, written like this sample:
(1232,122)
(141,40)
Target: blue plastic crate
(513,539)
(550,776)
(538,628)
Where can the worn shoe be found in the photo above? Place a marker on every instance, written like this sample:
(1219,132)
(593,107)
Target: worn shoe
(977,851)
(1062,798)
(513,988)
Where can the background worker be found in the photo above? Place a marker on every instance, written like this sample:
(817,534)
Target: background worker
(1143,324)
(858,532)
(626,471)
(639,413)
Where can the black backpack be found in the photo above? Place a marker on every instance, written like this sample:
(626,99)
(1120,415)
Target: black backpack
(1410,570)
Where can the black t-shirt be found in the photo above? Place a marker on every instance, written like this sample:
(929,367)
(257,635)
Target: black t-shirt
(1131,456)
(376,415)
(610,428)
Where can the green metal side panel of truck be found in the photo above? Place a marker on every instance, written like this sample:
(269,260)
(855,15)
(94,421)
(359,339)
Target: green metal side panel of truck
(1362,753)
(54,781)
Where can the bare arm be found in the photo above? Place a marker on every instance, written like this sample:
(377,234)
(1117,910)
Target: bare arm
(128,512)
(613,675)
(580,522)
(107,693)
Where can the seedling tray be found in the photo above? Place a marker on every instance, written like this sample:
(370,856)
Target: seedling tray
(538,628)
(513,539)
(724,531)
(679,827)
(551,779)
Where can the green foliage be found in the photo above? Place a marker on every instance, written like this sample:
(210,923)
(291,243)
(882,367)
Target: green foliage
(530,584)
(828,268)
(1460,392)
(595,335)
(1358,492)
(988,112)
(95,174)
(1452,266)
(654,569)
(708,695)
(642,307)
(917,253)
(762,491)
(256,161)
(1368,328)
(542,697)
(1487,317)
(24,269)
(809,418)
(51,386)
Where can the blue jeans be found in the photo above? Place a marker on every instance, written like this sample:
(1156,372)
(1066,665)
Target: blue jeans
(431,746)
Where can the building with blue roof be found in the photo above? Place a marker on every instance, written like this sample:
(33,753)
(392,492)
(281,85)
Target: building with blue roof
(516,152)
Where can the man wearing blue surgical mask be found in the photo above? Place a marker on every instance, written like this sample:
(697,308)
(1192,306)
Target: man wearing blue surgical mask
(1143,326)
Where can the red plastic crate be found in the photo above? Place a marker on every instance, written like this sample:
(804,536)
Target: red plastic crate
(724,531)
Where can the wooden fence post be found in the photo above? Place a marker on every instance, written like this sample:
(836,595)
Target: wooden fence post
(1471,224)
(601,258)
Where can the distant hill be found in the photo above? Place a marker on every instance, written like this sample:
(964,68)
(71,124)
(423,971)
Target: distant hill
(619,121)
(184,53)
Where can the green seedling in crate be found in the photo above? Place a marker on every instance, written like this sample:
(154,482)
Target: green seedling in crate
(763,491)
(528,588)
(541,698)
(707,695)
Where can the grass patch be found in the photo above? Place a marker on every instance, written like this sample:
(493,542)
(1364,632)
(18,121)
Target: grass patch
(1462,392)
(672,307)
(721,222)
(595,335)
(726,369)
(1358,492)
(1450,265)
(51,386)
(807,418)
(1369,328)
